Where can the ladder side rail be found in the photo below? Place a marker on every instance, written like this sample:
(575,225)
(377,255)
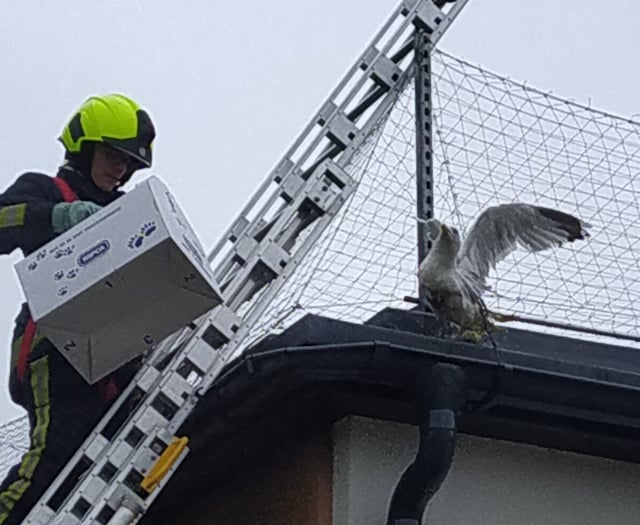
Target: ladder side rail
(237,292)
(102,450)
(411,11)
(293,213)
(293,170)
(275,284)
(146,380)
(435,33)
(355,69)
(140,454)
(319,226)
(114,409)
(94,440)
(226,353)
(374,93)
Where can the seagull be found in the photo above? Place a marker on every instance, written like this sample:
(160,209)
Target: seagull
(452,277)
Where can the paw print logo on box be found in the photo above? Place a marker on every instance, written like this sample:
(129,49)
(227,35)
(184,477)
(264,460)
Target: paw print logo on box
(136,240)
(63,252)
(72,274)
(41,255)
(62,291)
(58,275)
(32,266)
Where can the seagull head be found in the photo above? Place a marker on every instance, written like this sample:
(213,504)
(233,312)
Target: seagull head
(446,239)
(435,230)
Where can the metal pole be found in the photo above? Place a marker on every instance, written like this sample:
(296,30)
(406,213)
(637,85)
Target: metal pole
(424,139)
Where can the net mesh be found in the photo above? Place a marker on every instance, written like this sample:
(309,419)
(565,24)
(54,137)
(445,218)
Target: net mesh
(495,141)
(14,440)
(499,141)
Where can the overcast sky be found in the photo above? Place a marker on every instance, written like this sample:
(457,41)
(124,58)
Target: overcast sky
(230,84)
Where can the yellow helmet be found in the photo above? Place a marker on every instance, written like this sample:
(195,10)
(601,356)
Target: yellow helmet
(114,120)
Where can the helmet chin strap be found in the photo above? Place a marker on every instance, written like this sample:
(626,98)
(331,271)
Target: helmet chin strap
(126,178)
(82,161)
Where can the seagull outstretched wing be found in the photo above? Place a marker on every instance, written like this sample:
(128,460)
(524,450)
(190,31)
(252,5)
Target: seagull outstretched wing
(499,230)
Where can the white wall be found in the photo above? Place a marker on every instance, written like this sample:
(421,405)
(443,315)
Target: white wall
(491,482)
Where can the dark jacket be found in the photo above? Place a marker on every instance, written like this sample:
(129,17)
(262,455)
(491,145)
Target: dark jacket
(25,207)
(25,223)
(62,407)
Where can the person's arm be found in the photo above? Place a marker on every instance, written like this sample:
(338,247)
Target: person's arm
(31,213)
(25,212)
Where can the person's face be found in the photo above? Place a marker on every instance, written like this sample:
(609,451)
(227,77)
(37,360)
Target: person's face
(108,167)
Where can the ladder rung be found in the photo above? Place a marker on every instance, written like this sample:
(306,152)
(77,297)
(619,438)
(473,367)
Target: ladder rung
(428,17)
(341,130)
(383,70)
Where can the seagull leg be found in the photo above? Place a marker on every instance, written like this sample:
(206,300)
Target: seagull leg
(502,318)
(488,318)
(491,327)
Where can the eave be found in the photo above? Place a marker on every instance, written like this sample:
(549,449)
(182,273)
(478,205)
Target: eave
(533,388)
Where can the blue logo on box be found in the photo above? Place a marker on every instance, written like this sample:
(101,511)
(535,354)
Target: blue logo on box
(94,252)
(145,230)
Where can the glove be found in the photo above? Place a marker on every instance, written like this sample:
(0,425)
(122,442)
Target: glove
(67,214)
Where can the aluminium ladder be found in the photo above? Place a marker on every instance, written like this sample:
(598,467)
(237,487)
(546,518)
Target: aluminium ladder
(127,459)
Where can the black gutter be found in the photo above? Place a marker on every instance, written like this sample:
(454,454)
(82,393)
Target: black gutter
(548,391)
(439,394)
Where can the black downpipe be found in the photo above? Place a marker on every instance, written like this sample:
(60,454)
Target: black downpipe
(440,393)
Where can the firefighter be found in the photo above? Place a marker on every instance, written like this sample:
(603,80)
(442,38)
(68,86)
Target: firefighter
(106,141)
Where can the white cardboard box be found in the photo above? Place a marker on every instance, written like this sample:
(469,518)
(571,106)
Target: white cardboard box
(120,281)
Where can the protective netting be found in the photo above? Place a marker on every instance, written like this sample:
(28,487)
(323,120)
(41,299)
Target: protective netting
(499,141)
(365,260)
(494,141)
(14,440)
